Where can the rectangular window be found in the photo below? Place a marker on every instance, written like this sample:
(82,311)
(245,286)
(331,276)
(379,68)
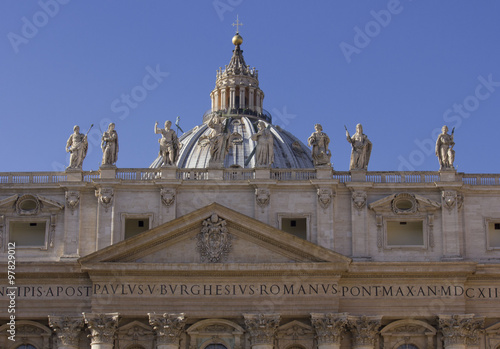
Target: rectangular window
(405,233)
(28,233)
(493,235)
(295,226)
(134,226)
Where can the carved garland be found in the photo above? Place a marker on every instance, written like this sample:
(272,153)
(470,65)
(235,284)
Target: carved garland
(72,200)
(105,196)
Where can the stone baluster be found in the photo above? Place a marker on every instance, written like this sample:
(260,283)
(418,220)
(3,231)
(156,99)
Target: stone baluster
(67,329)
(168,329)
(330,329)
(364,331)
(460,331)
(262,329)
(102,328)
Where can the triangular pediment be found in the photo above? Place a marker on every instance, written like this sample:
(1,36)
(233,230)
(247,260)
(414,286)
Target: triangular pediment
(188,240)
(404,203)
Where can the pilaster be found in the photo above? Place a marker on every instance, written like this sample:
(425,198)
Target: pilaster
(67,329)
(102,328)
(360,237)
(72,223)
(105,216)
(364,330)
(451,227)
(460,331)
(330,329)
(262,329)
(168,329)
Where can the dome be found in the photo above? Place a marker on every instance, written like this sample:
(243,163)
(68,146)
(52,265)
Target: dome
(228,128)
(289,152)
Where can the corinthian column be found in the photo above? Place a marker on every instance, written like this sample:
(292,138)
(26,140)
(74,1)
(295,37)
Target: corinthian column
(168,329)
(364,330)
(329,328)
(262,329)
(67,329)
(460,331)
(102,329)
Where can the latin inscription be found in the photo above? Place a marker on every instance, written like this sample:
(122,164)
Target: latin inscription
(252,290)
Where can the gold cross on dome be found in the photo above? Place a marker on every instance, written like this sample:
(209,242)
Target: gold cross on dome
(237,24)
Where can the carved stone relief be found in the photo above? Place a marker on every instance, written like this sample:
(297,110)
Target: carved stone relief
(167,196)
(67,329)
(105,197)
(214,240)
(359,199)
(325,197)
(262,328)
(72,200)
(168,327)
(262,196)
(404,203)
(28,205)
(449,199)
(330,328)
(102,326)
(364,330)
(460,329)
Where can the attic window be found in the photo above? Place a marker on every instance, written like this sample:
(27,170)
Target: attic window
(135,226)
(493,235)
(28,233)
(295,226)
(405,233)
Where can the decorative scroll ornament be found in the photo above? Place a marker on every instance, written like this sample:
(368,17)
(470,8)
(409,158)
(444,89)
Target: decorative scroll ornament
(167,196)
(449,199)
(262,327)
(214,240)
(262,196)
(404,203)
(105,197)
(72,200)
(67,329)
(325,197)
(102,327)
(28,205)
(168,327)
(359,199)
(364,329)
(460,329)
(330,328)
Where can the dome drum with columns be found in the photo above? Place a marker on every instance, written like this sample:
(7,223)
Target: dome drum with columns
(237,109)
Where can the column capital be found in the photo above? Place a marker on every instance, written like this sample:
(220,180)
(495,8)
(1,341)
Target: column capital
(168,327)
(364,330)
(67,329)
(460,329)
(330,328)
(262,327)
(102,326)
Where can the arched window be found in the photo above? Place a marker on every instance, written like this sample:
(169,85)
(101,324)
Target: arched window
(407,346)
(215,346)
(26,346)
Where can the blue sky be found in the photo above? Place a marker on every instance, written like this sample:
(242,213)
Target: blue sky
(401,68)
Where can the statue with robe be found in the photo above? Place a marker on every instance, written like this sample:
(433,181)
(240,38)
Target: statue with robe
(264,152)
(77,145)
(444,149)
(109,146)
(319,142)
(169,144)
(361,149)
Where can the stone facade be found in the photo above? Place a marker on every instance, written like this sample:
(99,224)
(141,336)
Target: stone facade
(249,258)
